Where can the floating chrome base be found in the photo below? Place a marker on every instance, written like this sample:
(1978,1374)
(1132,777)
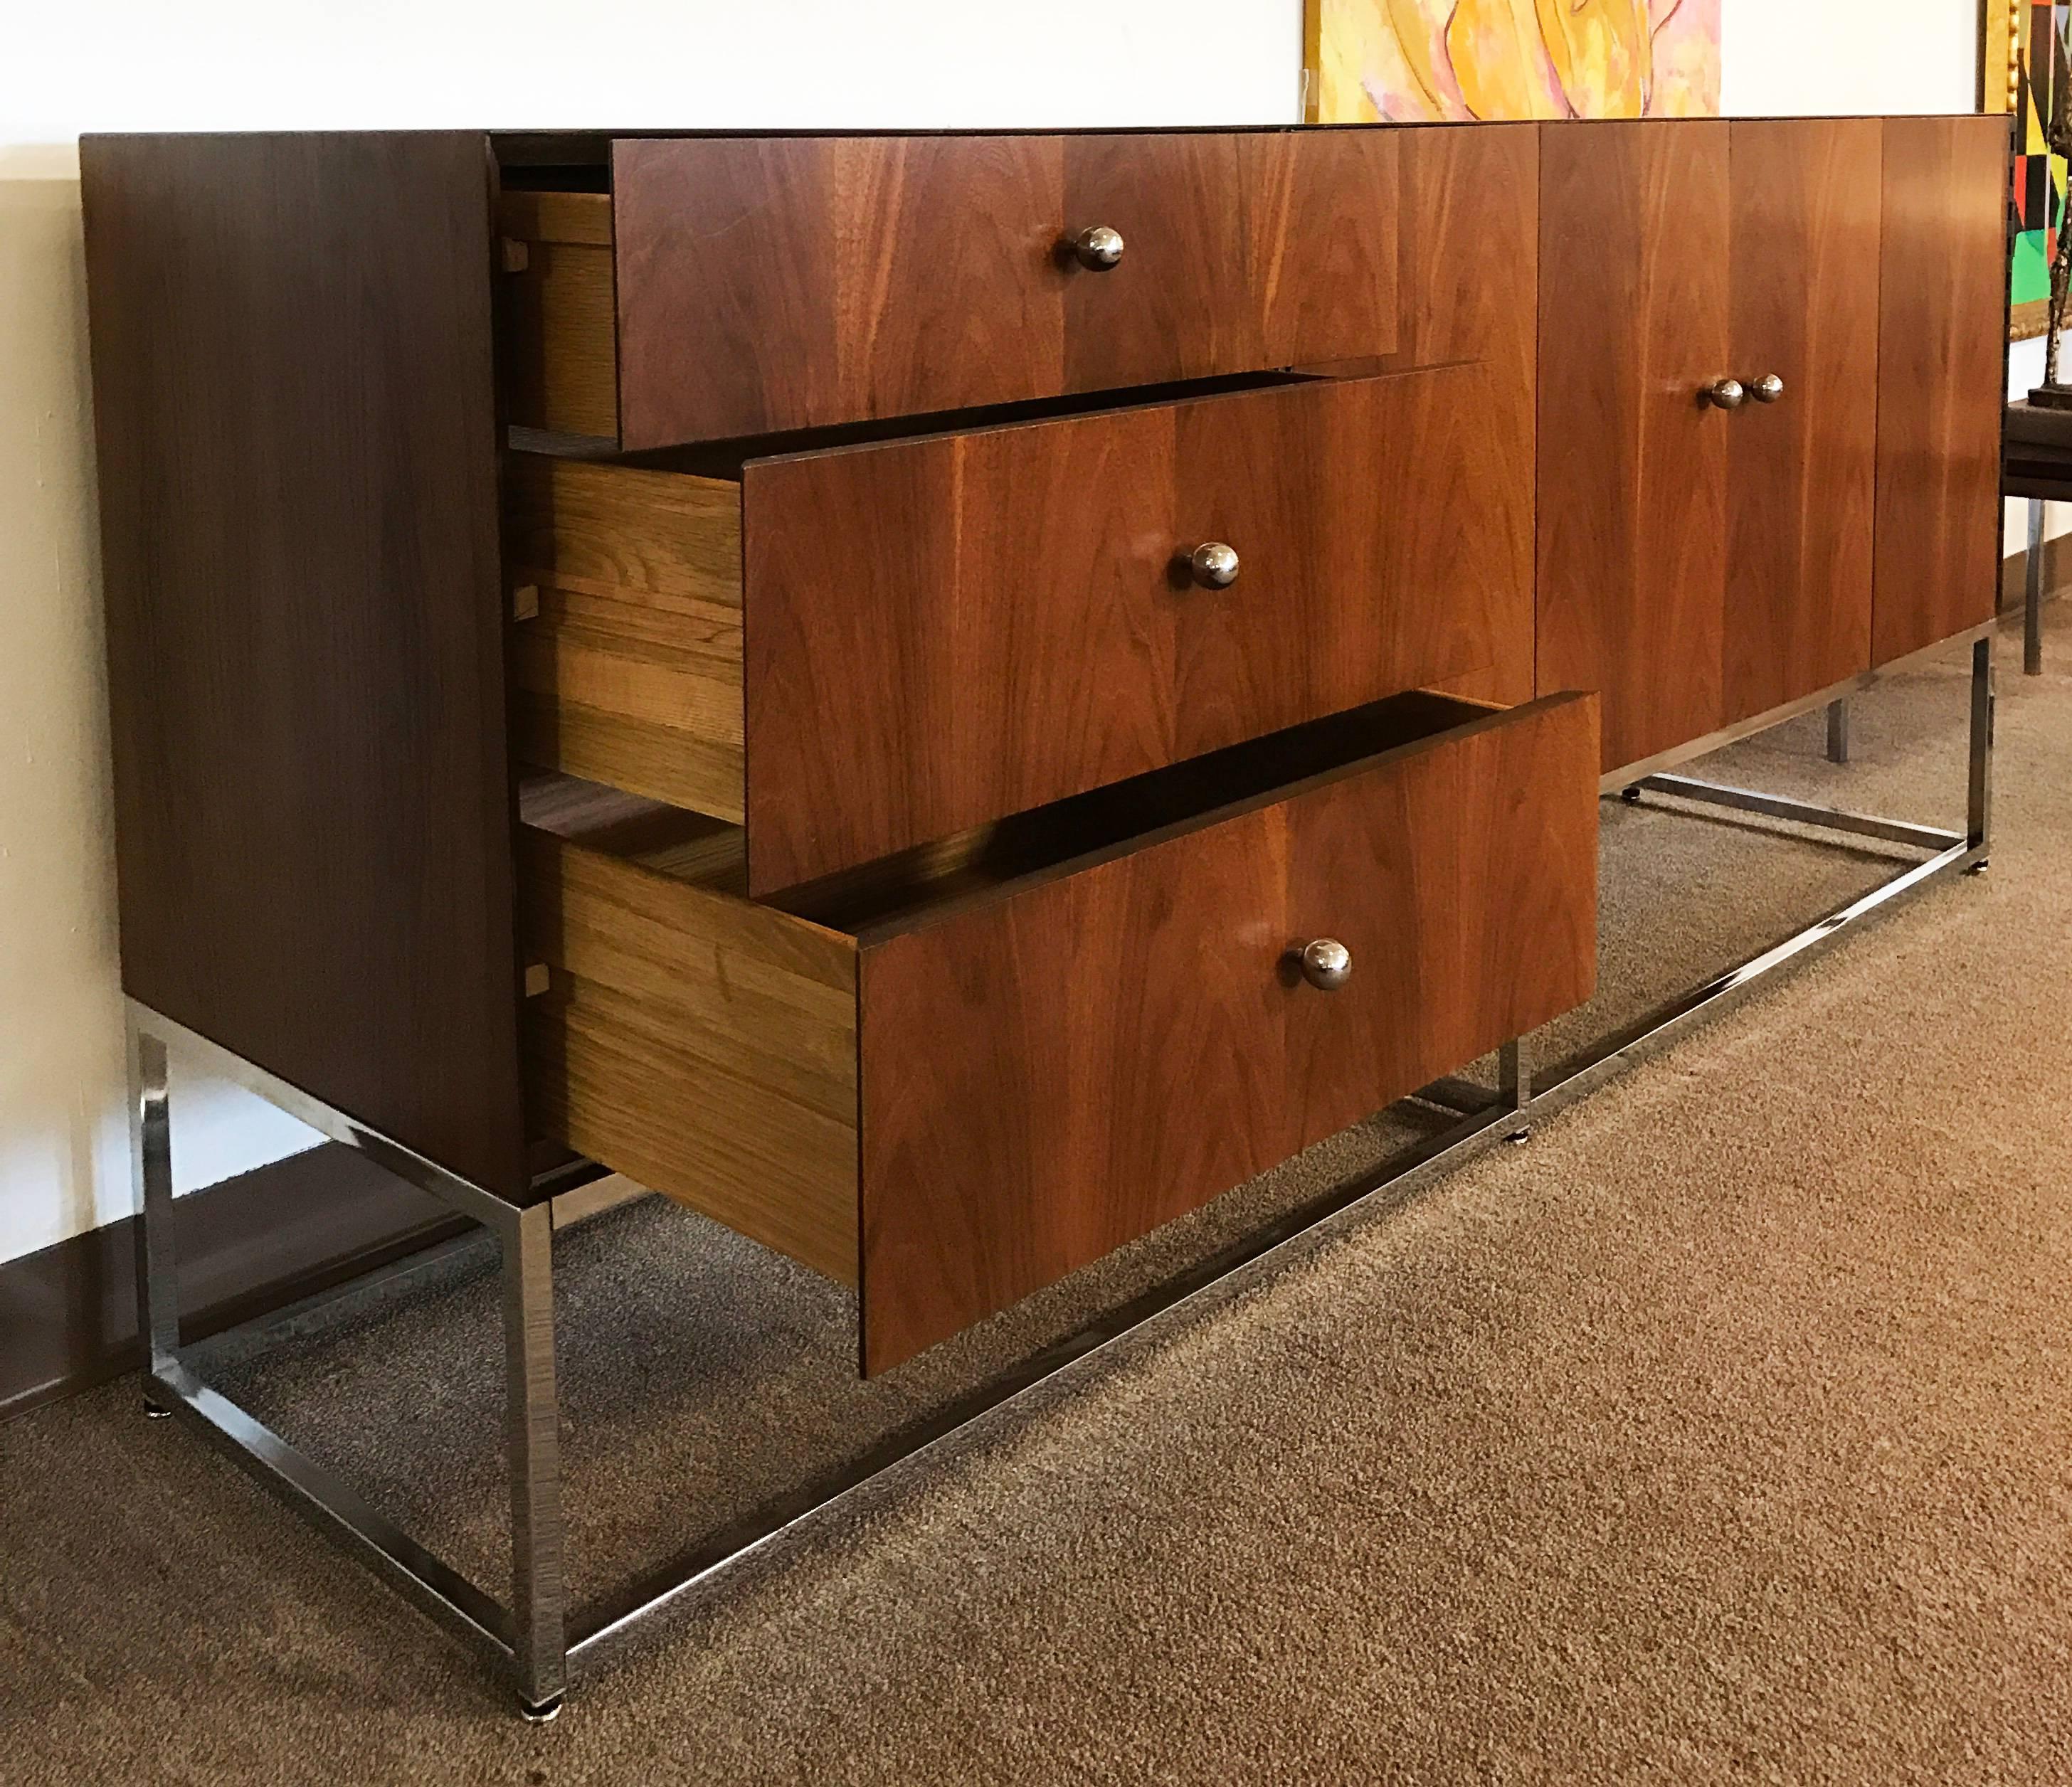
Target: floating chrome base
(536,1637)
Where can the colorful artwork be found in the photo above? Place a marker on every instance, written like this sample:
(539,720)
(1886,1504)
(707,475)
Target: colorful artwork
(2029,44)
(1416,61)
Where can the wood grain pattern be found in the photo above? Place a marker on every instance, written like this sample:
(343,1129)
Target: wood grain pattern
(295,412)
(1801,472)
(1470,197)
(1464,882)
(704,1046)
(1634,324)
(943,631)
(629,671)
(559,354)
(793,282)
(1132,1042)
(1178,306)
(1121,1030)
(781,283)
(1940,392)
(1324,242)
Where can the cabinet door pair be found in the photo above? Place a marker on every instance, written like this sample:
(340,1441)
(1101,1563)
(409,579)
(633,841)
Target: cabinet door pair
(1702,563)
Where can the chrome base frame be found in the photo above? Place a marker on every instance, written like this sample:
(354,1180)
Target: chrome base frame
(536,1637)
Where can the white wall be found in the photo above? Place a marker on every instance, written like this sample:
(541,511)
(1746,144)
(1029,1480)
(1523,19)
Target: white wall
(1783,57)
(232,64)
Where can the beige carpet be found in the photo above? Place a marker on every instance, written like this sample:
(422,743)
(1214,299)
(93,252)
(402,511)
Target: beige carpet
(1721,1432)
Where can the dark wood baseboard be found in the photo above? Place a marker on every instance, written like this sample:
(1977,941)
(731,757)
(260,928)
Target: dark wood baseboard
(252,1244)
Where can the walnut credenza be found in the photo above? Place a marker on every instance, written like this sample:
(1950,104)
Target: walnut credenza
(946,699)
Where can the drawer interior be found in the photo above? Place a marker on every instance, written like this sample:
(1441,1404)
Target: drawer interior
(558,349)
(911,889)
(626,658)
(699,1044)
(902,892)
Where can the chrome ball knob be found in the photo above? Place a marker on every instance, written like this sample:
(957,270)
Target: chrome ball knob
(1214,564)
(1327,964)
(1767,389)
(1727,393)
(1098,248)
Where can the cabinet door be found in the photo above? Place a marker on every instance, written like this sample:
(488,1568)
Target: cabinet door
(1941,378)
(1633,327)
(1800,470)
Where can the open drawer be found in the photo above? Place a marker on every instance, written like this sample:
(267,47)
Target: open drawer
(734,285)
(853,651)
(953,1078)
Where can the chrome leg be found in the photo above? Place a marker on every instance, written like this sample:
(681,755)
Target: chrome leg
(158,1265)
(1838,731)
(2031,624)
(1979,825)
(539,1595)
(1514,1083)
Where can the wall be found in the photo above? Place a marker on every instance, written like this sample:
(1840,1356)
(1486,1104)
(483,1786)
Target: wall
(228,64)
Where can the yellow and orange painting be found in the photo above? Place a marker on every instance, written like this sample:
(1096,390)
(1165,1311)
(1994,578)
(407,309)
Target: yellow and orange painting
(1414,61)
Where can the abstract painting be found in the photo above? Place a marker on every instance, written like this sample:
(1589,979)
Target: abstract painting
(2027,75)
(1418,61)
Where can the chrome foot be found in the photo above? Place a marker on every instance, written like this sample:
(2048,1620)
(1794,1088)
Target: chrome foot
(1980,866)
(153,1412)
(1630,795)
(545,1713)
(1518,1138)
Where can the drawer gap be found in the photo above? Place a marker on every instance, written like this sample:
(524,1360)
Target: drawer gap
(724,459)
(895,894)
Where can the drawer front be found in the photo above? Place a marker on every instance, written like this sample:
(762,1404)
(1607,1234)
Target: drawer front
(1267,249)
(766,284)
(795,281)
(942,632)
(1048,1076)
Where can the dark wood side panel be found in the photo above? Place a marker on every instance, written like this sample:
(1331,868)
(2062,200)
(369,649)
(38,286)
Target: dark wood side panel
(787,282)
(942,632)
(1941,347)
(293,405)
(1801,471)
(1632,517)
(1131,1041)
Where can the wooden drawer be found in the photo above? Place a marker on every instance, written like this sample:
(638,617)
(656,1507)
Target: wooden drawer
(959,1076)
(731,286)
(854,651)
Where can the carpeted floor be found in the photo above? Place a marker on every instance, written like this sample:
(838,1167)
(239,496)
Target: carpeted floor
(1724,1431)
